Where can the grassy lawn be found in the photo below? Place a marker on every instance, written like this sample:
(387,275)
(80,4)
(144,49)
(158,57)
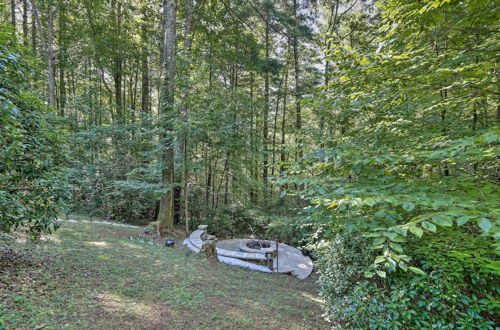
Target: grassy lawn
(88,276)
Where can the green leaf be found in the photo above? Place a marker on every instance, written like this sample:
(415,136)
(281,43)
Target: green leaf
(390,235)
(416,270)
(379,259)
(494,266)
(398,239)
(364,61)
(370,201)
(381,273)
(429,226)
(462,220)
(442,221)
(396,247)
(378,241)
(416,231)
(372,235)
(403,231)
(485,224)
(408,206)
(369,274)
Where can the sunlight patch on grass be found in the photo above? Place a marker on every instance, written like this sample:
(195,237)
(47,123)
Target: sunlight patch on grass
(113,302)
(309,296)
(132,246)
(100,244)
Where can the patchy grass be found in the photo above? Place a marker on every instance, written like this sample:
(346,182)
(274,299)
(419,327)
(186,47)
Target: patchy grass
(95,276)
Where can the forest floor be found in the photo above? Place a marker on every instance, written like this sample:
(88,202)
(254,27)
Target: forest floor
(90,276)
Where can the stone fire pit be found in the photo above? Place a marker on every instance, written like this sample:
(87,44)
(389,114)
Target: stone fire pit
(248,252)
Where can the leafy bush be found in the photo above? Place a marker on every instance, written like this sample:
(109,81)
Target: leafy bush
(121,187)
(233,220)
(32,184)
(294,230)
(458,291)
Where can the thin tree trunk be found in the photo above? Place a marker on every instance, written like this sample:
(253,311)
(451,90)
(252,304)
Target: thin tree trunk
(62,58)
(51,82)
(253,163)
(283,123)
(265,169)
(209,175)
(331,27)
(145,66)
(298,118)
(118,63)
(275,124)
(188,38)
(50,55)
(33,29)
(25,23)
(13,14)
(165,220)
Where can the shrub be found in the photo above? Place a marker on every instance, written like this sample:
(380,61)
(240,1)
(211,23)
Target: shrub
(293,230)
(457,292)
(234,220)
(32,184)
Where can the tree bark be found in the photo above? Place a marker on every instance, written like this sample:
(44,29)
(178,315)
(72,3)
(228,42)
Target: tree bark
(265,169)
(275,125)
(13,14)
(50,57)
(165,220)
(62,58)
(25,23)
(283,122)
(145,65)
(188,38)
(51,79)
(298,118)
(118,64)
(33,29)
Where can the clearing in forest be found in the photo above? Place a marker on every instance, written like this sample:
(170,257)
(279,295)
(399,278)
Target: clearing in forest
(95,276)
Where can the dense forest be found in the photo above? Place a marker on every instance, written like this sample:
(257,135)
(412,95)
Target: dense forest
(364,131)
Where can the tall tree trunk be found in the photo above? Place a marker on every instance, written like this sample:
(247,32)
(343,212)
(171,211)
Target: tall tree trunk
(165,220)
(331,28)
(118,62)
(62,57)
(13,14)
(275,125)
(298,118)
(145,65)
(51,79)
(51,57)
(283,123)
(253,140)
(265,169)
(25,23)
(188,38)
(33,29)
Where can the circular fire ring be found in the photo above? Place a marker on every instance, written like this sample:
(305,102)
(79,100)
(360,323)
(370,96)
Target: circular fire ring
(251,246)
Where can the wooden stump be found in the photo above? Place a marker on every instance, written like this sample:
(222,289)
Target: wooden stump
(210,248)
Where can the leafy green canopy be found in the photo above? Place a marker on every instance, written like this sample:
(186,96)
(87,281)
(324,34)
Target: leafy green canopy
(32,183)
(412,144)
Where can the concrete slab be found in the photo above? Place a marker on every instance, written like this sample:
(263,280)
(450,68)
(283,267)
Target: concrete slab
(244,264)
